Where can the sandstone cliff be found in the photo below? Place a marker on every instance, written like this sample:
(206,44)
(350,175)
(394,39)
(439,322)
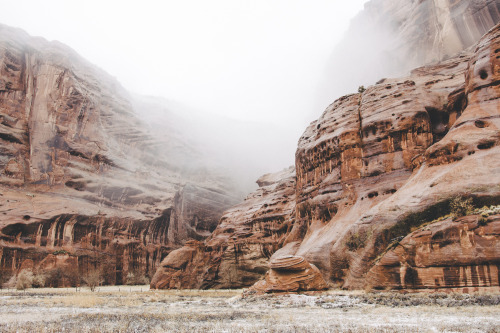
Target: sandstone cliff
(81,178)
(371,172)
(391,37)
(236,254)
(390,158)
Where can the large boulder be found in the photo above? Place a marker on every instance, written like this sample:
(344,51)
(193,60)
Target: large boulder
(290,274)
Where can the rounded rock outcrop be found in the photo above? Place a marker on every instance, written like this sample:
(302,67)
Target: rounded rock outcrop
(290,274)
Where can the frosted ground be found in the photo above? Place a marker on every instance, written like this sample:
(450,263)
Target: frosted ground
(137,309)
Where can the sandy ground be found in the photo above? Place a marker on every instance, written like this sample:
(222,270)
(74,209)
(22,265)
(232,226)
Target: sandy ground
(137,309)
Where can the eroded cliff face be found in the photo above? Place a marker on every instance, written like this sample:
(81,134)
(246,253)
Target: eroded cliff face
(237,253)
(390,158)
(460,254)
(391,37)
(371,173)
(80,175)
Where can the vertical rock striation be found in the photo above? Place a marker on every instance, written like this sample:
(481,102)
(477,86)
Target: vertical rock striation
(236,254)
(389,159)
(375,175)
(80,175)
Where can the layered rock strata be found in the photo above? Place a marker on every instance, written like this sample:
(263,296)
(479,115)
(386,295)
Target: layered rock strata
(237,253)
(390,158)
(459,254)
(290,274)
(376,166)
(81,176)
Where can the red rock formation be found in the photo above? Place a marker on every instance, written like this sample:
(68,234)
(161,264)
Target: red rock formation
(372,168)
(290,274)
(389,159)
(80,173)
(236,254)
(461,255)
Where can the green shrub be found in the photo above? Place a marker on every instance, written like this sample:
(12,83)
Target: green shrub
(460,206)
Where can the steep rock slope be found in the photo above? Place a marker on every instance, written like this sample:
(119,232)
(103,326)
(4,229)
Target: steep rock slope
(372,170)
(80,175)
(391,37)
(237,253)
(391,158)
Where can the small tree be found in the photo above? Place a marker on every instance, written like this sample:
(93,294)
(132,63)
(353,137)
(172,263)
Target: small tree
(93,278)
(361,89)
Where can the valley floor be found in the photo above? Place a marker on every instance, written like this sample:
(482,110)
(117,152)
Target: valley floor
(137,309)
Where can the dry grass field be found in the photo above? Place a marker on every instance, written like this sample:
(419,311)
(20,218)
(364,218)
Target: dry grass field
(137,309)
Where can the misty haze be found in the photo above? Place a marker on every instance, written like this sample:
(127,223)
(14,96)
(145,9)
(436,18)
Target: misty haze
(246,166)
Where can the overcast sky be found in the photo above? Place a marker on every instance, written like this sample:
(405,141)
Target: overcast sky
(252,60)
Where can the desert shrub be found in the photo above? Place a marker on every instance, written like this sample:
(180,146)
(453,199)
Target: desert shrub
(483,219)
(460,206)
(24,280)
(339,263)
(356,240)
(361,89)
(71,276)
(53,277)
(39,280)
(137,278)
(93,278)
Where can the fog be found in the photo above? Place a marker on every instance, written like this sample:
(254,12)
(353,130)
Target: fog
(243,74)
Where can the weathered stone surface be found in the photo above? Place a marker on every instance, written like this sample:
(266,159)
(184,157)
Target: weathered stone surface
(449,254)
(79,171)
(236,254)
(391,37)
(374,166)
(290,274)
(390,158)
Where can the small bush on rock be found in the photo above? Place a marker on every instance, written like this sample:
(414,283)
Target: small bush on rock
(460,207)
(11,282)
(356,240)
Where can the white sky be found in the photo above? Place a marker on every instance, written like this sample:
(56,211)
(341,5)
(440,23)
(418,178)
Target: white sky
(255,60)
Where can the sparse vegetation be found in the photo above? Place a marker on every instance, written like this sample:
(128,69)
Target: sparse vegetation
(460,206)
(24,280)
(93,278)
(39,280)
(133,310)
(361,89)
(357,240)
(137,278)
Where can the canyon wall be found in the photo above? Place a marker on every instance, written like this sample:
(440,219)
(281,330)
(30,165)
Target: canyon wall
(237,253)
(391,157)
(375,175)
(81,177)
(391,37)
